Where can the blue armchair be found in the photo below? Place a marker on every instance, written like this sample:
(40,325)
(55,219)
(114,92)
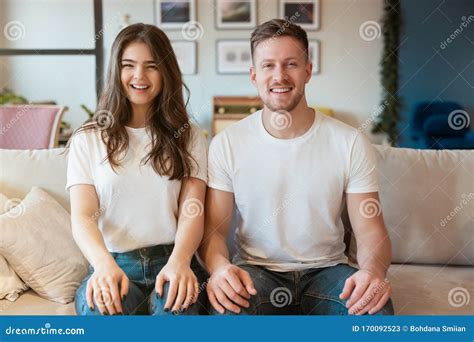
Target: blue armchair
(441,125)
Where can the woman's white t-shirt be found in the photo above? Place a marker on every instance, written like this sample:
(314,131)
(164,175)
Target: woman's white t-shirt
(290,192)
(138,207)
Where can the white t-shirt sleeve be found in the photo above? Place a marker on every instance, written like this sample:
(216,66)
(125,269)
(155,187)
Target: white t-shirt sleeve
(219,167)
(199,154)
(362,176)
(79,168)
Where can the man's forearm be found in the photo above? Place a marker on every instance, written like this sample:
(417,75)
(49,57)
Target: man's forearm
(374,252)
(214,251)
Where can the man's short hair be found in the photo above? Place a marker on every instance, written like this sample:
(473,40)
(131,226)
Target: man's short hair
(276,28)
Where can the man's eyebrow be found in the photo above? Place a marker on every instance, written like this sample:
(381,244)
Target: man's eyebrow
(271,60)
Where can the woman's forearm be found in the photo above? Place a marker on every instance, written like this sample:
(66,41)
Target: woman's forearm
(89,239)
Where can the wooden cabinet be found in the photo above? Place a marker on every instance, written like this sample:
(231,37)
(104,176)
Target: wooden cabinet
(227,110)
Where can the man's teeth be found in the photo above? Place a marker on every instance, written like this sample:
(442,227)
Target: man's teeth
(139,86)
(281,90)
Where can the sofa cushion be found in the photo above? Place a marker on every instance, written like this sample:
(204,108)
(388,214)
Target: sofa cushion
(427,199)
(37,242)
(22,169)
(432,290)
(30,303)
(11,286)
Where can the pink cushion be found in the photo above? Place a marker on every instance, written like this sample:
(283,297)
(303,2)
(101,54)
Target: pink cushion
(27,126)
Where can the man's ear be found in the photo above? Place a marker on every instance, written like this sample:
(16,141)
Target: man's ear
(253,76)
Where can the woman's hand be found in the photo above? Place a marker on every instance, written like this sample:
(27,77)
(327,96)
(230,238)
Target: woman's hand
(183,287)
(108,286)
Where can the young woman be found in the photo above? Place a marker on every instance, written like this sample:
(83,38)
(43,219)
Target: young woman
(137,177)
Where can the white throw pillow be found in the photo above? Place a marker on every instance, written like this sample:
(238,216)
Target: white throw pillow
(11,286)
(38,244)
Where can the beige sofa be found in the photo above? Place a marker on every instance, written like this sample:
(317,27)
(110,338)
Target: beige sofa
(427,199)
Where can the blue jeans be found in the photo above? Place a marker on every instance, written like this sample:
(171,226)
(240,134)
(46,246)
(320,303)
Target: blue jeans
(141,267)
(309,292)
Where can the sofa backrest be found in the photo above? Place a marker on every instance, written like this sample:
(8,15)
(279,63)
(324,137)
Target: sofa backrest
(22,169)
(427,199)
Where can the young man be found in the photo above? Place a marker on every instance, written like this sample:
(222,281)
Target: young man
(289,169)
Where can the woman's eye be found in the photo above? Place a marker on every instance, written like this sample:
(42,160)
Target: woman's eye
(153,67)
(127,66)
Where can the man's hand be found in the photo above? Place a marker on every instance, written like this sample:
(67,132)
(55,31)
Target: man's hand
(367,292)
(228,287)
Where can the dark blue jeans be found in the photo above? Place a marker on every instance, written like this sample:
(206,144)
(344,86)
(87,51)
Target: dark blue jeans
(310,292)
(141,267)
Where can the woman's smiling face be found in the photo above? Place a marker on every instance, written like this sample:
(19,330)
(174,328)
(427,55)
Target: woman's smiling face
(139,74)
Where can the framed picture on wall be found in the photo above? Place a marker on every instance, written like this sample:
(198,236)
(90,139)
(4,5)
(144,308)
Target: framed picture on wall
(314,47)
(233,56)
(302,12)
(236,14)
(186,54)
(173,14)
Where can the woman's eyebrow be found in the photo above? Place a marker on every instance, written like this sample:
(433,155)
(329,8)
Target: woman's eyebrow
(133,61)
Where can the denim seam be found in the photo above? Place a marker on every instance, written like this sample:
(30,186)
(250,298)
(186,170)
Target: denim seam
(319,296)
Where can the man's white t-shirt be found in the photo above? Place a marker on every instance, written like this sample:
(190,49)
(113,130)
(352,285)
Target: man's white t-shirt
(289,192)
(138,207)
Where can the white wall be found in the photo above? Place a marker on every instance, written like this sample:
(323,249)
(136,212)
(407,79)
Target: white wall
(348,82)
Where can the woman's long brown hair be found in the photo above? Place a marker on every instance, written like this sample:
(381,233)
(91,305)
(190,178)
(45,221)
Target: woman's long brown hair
(169,154)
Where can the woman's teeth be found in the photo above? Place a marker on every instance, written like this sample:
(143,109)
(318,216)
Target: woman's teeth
(140,87)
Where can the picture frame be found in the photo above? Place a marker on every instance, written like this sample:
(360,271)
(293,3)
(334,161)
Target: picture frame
(305,13)
(236,14)
(314,51)
(173,14)
(186,54)
(233,56)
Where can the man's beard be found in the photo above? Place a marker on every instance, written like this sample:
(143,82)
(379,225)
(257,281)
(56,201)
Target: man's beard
(292,105)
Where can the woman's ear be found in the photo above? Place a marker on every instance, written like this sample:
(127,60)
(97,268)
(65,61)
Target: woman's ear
(309,71)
